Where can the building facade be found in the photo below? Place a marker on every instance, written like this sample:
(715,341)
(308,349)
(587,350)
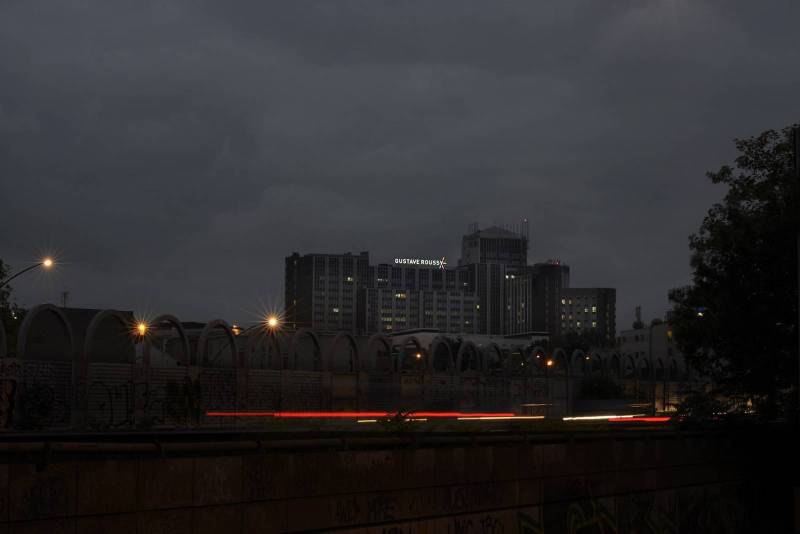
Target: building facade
(590,310)
(496,244)
(401,297)
(549,280)
(656,345)
(519,302)
(322,291)
(491,292)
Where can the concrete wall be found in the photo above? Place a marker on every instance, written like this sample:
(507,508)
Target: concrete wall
(662,482)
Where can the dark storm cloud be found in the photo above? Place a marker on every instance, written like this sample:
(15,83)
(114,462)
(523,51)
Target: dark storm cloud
(175,152)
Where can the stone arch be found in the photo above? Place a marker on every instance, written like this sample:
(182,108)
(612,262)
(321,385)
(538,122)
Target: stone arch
(406,357)
(538,359)
(436,354)
(560,361)
(294,347)
(469,350)
(615,366)
(492,351)
(579,363)
(94,325)
(328,361)
(173,321)
(28,321)
(374,344)
(518,362)
(643,369)
(659,374)
(202,356)
(3,340)
(628,367)
(597,363)
(272,342)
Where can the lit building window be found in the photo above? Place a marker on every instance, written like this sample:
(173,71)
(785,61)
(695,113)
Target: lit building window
(594,324)
(563,301)
(594,309)
(335,310)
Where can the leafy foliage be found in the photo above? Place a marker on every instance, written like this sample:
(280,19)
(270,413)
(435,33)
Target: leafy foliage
(11,315)
(736,322)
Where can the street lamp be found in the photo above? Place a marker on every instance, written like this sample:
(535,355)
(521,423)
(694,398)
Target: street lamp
(45,263)
(273,322)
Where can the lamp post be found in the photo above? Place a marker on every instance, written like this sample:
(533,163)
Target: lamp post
(46,263)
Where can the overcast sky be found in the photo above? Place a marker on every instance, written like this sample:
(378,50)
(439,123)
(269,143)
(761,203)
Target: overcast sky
(171,154)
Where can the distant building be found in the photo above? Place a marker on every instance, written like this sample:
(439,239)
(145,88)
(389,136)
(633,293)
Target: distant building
(589,310)
(496,244)
(655,344)
(401,297)
(322,290)
(519,302)
(492,292)
(549,279)
(488,283)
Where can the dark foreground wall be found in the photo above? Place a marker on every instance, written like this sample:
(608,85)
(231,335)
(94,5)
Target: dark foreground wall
(589,482)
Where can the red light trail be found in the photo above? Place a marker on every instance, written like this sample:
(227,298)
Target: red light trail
(638,419)
(326,415)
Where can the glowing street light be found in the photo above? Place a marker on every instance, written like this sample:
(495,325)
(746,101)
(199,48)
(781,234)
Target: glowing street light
(419,355)
(45,263)
(273,322)
(549,363)
(141,328)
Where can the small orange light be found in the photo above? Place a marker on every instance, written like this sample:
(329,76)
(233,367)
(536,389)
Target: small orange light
(272,321)
(419,355)
(549,363)
(47,262)
(141,328)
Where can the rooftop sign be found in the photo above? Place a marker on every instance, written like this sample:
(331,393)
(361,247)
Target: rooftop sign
(440,263)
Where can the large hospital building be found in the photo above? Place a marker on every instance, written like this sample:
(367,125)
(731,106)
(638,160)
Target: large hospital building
(491,291)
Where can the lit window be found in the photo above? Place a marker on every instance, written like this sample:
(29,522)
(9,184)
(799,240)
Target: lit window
(586,310)
(594,309)
(335,310)
(563,301)
(594,324)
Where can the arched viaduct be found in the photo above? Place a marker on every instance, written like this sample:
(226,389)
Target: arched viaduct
(106,376)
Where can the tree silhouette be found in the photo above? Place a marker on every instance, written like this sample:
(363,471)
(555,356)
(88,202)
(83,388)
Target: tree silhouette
(737,321)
